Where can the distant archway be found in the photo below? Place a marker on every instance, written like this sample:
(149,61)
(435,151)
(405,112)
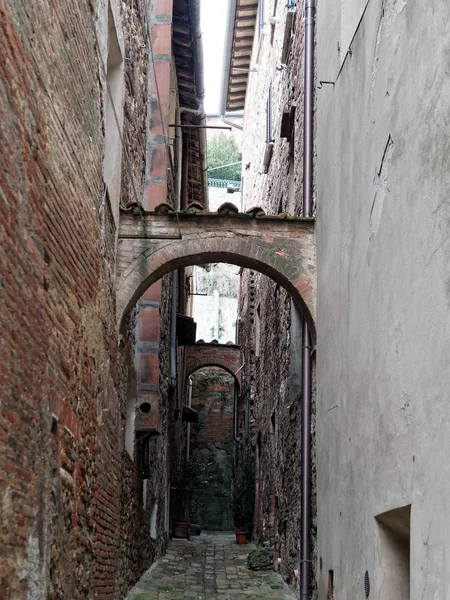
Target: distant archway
(224,356)
(153,244)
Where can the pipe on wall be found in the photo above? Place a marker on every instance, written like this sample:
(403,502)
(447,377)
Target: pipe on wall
(308,178)
(173,331)
(188,431)
(173,315)
(200,93)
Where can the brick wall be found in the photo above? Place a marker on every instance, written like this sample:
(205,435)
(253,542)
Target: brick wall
(66,489)
(212,441)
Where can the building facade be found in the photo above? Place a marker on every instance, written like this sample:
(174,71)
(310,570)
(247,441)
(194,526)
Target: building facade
(383,310)
(380,430)
(92,99)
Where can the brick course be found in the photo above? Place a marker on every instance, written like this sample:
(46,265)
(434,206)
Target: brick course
(212,441)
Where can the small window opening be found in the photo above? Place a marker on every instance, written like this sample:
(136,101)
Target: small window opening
(330,594)
(143,453)
(113,113)
(153,519)
(129,424)
(257,331)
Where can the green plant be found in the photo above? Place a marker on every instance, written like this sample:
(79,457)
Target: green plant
(223,150)
(243,497)
(190,478)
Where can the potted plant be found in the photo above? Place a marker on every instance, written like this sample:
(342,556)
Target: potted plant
(189,479)
(243,497)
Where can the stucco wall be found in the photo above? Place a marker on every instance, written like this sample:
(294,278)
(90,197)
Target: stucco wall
(384,295)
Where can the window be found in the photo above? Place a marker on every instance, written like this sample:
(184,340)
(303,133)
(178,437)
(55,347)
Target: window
(153,518)
(143,453)
(257,331)
(296,359)
(330,594)
(113,116)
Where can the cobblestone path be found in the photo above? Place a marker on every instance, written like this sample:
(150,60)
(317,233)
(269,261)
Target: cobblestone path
(210,566)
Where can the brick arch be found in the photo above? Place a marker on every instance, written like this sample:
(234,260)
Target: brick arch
(281,249)
(224,356)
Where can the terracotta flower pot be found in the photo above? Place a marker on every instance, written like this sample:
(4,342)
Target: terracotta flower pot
(241,537)
(181,530)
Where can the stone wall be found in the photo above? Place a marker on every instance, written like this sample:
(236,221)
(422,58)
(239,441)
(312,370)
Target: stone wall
(269,326)
(212,441)
(274,418)
(67,488)
(280,189)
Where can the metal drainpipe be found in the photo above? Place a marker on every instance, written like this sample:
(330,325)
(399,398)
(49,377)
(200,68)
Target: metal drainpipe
(188,432)
(308,174)
(173,316)
(173,331)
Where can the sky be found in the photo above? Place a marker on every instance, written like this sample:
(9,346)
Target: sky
(213,21)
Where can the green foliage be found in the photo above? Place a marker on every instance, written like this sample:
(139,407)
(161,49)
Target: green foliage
(220,277)
(243,498)
(221,332)
(223,150)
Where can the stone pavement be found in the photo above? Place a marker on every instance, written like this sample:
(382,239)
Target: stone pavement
(209,566)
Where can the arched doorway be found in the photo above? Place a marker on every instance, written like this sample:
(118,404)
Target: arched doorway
(151,245)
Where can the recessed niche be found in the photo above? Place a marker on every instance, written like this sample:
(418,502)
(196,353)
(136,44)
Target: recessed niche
(394,554)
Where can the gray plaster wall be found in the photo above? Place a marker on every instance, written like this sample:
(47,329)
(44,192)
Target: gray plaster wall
(383,352)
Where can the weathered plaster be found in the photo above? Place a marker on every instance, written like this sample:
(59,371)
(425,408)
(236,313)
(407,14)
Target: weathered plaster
(383,301)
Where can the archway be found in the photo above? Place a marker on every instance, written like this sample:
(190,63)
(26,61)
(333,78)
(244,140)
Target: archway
(224,356)
(152,244)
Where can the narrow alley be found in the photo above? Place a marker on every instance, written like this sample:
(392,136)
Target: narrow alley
(224,299)
(210,566)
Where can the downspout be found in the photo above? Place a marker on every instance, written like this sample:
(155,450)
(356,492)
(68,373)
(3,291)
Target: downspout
(200,88)
(179,155)
(173,331)
(173,316)
(184,174)
(308,174)
(188,432)
(231,123)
